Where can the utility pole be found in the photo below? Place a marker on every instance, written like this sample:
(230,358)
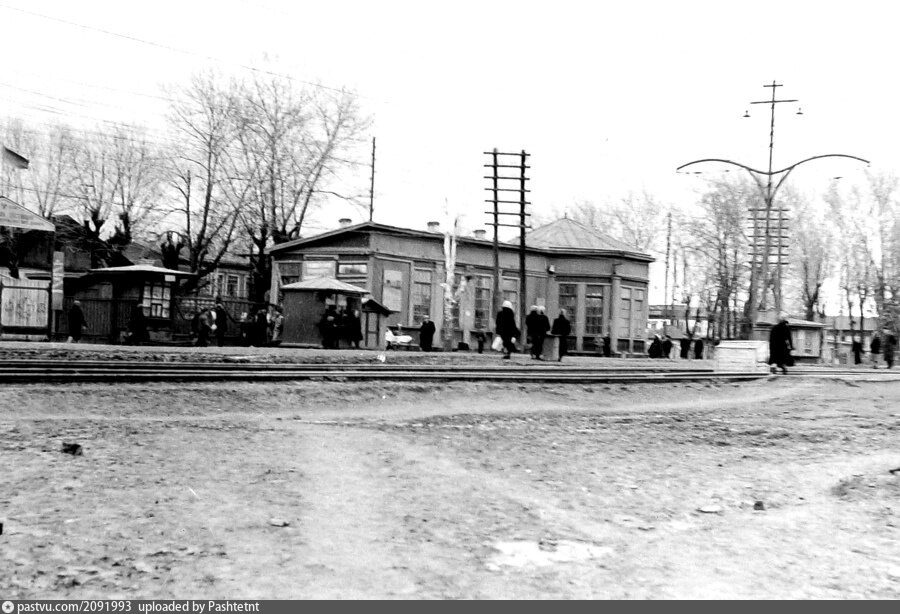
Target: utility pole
(372,184)
(668,255)
(522,215)
(497,292)
(502,183)
(769,224)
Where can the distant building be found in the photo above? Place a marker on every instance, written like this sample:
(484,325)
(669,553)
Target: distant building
(600,281)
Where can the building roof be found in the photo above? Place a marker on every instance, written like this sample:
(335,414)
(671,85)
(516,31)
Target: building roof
(140,268)
(559,236)
(569,234)
(328,284)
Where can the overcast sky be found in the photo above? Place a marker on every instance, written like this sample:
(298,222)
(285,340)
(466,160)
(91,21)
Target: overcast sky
(607,97)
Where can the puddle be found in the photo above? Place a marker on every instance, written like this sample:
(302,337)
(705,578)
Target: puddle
(527,553)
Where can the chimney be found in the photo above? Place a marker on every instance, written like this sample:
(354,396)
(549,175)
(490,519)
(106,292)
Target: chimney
(481,233)
(434,226)
(344,222)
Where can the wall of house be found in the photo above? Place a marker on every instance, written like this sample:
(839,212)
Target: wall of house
(395,262)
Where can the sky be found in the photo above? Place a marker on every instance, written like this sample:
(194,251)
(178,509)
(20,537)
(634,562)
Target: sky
(607,97)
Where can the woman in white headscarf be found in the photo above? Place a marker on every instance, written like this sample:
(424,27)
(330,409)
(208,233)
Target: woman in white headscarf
(506,328)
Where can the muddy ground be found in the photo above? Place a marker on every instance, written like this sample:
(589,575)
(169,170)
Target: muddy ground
(322,490)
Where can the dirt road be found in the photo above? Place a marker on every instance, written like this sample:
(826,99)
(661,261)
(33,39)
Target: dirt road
(473,491)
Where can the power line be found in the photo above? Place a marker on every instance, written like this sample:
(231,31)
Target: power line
(135,39)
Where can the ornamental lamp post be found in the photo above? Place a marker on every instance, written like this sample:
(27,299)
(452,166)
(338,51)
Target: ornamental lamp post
(769,222)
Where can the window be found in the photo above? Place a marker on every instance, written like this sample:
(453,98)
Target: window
(625,314)
(421,295)
(156,300)
(639,324)
(318,268)
(593,318)
(353,269)
(392,289)
(290,272)
(510,290)
(231,285)
(483,288)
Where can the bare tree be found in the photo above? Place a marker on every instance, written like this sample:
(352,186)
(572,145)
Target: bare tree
(47,185)
(637,219)
(812,256)
(717,243)
(208,206)
(293,144)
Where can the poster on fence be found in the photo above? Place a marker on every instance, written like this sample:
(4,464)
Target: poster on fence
(24,303)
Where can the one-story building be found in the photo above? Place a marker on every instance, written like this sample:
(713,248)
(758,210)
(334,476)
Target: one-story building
(600,281)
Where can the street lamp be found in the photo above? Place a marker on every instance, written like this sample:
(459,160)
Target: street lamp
(762,245)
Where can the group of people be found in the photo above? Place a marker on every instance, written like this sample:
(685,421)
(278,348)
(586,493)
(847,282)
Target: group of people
(338,324)
(259,328)
(537,327)
(885,348)
(690,346)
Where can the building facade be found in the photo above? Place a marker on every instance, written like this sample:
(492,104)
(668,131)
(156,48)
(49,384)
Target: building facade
(602,283)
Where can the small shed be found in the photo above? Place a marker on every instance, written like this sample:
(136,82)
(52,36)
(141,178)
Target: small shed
(305,302)
(110,296)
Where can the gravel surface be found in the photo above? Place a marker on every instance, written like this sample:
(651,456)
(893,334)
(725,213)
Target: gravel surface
(778,488)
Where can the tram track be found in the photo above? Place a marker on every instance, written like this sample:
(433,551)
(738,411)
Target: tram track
(110,371)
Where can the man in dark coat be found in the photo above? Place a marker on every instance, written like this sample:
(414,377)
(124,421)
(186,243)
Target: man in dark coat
(426,334)
(698,349)
(507,329)
(562,328)
(684,345)
(890,346)
(780,345)
(655,350)
(539,332)
(261,326)
(353,328)
(221,322)
(875,348)
(857,349)
(76,322)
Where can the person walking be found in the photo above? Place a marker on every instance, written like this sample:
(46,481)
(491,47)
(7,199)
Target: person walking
(76,322)
(781,345)
(507,329)
(221,322)
(426,333)
(539,334)
(875,349)
(857,349)
(562,328)
(890,346)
